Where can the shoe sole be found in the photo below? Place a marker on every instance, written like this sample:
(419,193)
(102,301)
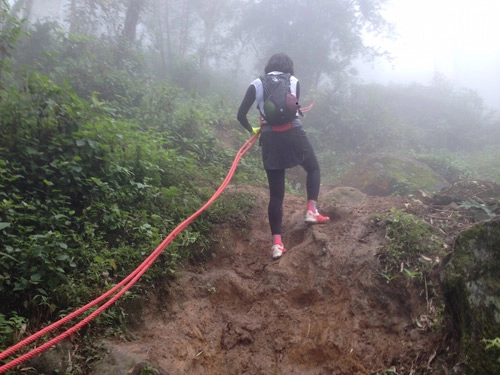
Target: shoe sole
(313,221)
(279,256)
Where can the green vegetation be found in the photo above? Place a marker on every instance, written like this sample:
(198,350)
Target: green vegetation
(441,124)
(85,197)
(410,254)
(492,344)
(107,143)
(90,187)
(411,247)
(149,370)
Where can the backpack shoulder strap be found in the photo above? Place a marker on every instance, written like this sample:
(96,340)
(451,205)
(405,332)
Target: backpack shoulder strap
(259,93)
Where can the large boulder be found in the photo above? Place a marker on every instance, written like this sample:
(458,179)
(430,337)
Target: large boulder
(471,286)
(385,175)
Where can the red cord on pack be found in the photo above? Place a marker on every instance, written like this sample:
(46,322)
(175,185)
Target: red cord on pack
(307,108)
(119,289)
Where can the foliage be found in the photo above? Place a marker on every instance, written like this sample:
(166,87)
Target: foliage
(483,163)
(348,119)
(149,370)
(447,165)
(411,246)
(103,151)
(448,117)
(10,32)
(325,37)
(492,344)
(86,196)
(187,41)
(94,18)
(231,209)
(365,119)
(102,67)
(11,329)
(454,166)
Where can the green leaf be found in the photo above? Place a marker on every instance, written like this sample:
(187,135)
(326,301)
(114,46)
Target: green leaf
(9,256)
(36,277)
(30,151)
(48,183)
(80,142)
(4,225)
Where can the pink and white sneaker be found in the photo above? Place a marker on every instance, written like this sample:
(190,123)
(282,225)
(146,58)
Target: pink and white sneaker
(278,251)
(314,217)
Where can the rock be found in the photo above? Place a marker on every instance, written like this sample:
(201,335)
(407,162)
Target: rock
(343,194)
(479,200)
(422,196)
(125,359)
(486,192)
(53,361)
(471,288)
(385,175)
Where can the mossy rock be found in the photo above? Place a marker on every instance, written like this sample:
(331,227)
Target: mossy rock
(385,175)
(471,286)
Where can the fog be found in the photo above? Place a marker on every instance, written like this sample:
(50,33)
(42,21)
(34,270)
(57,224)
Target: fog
(459,39)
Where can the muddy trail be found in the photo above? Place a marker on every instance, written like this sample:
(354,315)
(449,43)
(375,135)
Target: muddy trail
(323,308)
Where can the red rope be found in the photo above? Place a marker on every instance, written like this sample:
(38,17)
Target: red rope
(120,288)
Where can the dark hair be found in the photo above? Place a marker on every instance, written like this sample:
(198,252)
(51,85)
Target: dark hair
(279,62)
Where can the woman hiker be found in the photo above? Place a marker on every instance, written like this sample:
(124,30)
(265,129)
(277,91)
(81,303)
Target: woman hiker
(283,146)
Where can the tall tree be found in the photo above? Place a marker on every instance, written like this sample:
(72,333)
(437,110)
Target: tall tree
(10,31)
(216,17)
(323,35)
(21,6)
(131,20)
(96,17)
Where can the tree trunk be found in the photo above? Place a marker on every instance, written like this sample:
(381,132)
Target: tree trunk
(73,17)
(131,20)
(165,44)
(22,8)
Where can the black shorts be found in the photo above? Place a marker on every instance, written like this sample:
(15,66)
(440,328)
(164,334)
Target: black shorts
(283,150)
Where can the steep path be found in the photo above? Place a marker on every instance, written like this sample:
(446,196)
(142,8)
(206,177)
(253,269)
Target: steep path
(323,308)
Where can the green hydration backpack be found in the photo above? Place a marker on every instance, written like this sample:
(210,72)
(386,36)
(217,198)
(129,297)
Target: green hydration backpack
(280,106)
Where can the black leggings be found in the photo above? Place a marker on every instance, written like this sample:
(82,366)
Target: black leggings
(276,179)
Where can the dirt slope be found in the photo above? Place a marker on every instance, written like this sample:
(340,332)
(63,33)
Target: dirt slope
(323,308)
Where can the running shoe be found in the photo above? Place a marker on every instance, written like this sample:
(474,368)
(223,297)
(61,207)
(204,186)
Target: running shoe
(278,251)
(314,217)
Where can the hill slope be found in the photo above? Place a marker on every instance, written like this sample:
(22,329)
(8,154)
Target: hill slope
(323,308)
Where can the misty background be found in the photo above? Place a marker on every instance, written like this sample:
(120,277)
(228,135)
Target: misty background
(118,121)
(382,75)
(458,39)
